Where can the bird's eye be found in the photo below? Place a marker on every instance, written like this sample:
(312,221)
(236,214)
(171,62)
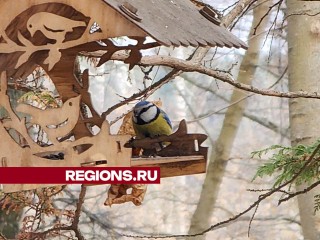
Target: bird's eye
(30,25)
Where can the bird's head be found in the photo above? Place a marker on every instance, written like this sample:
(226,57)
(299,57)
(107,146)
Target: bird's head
(144,112)
(31,26)
(73,102)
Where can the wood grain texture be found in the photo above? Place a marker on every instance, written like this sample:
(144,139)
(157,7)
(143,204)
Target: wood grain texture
(174,166)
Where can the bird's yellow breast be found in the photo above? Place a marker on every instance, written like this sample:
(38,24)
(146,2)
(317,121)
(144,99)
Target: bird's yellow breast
(155,128)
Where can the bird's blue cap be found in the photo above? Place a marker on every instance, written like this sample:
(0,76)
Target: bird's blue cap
(142,103)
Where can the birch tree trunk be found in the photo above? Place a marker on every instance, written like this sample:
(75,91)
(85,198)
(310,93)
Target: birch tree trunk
(304,68)
(221,152)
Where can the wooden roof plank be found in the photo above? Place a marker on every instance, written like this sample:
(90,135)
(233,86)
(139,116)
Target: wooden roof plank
(202,42)
(177,21)
(184,43)
(193,43)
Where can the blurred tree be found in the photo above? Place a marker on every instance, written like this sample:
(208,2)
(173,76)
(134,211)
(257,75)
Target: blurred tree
(304,65)
(221,151)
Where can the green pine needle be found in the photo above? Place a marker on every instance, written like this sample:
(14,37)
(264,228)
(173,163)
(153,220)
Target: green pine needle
(287,161)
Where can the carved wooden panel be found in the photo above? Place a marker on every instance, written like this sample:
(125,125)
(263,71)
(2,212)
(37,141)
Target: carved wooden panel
(40,30)
(50,34)
(56,122)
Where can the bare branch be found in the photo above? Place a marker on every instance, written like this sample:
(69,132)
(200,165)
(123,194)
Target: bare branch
(266,14)
(236,12)
(73,227)
(291,195)
(77,214)
(189,66)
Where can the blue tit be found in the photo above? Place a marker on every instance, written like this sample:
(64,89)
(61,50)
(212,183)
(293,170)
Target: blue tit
(150,121)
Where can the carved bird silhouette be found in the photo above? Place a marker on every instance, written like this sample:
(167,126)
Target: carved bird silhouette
(56,122)
(53,26)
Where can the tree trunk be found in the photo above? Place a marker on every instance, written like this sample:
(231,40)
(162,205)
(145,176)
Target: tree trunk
(304,65)
(221,153)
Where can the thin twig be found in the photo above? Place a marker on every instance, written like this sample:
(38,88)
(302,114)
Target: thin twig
(251,219)
(265,15)
(236,12)
(77,214)
(75,223)
(291,195)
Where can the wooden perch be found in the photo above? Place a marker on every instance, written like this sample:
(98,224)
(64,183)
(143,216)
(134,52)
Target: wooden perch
(169,166)
(174,166)
(181,143)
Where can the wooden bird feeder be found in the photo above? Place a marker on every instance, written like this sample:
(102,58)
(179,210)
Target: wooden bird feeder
(50,34)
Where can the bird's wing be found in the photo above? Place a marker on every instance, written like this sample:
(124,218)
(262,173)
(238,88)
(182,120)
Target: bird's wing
(165,116)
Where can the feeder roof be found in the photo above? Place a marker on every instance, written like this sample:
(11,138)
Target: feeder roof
(176,22)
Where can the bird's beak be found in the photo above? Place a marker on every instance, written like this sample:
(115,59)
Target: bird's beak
(31,32)
(31,29)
